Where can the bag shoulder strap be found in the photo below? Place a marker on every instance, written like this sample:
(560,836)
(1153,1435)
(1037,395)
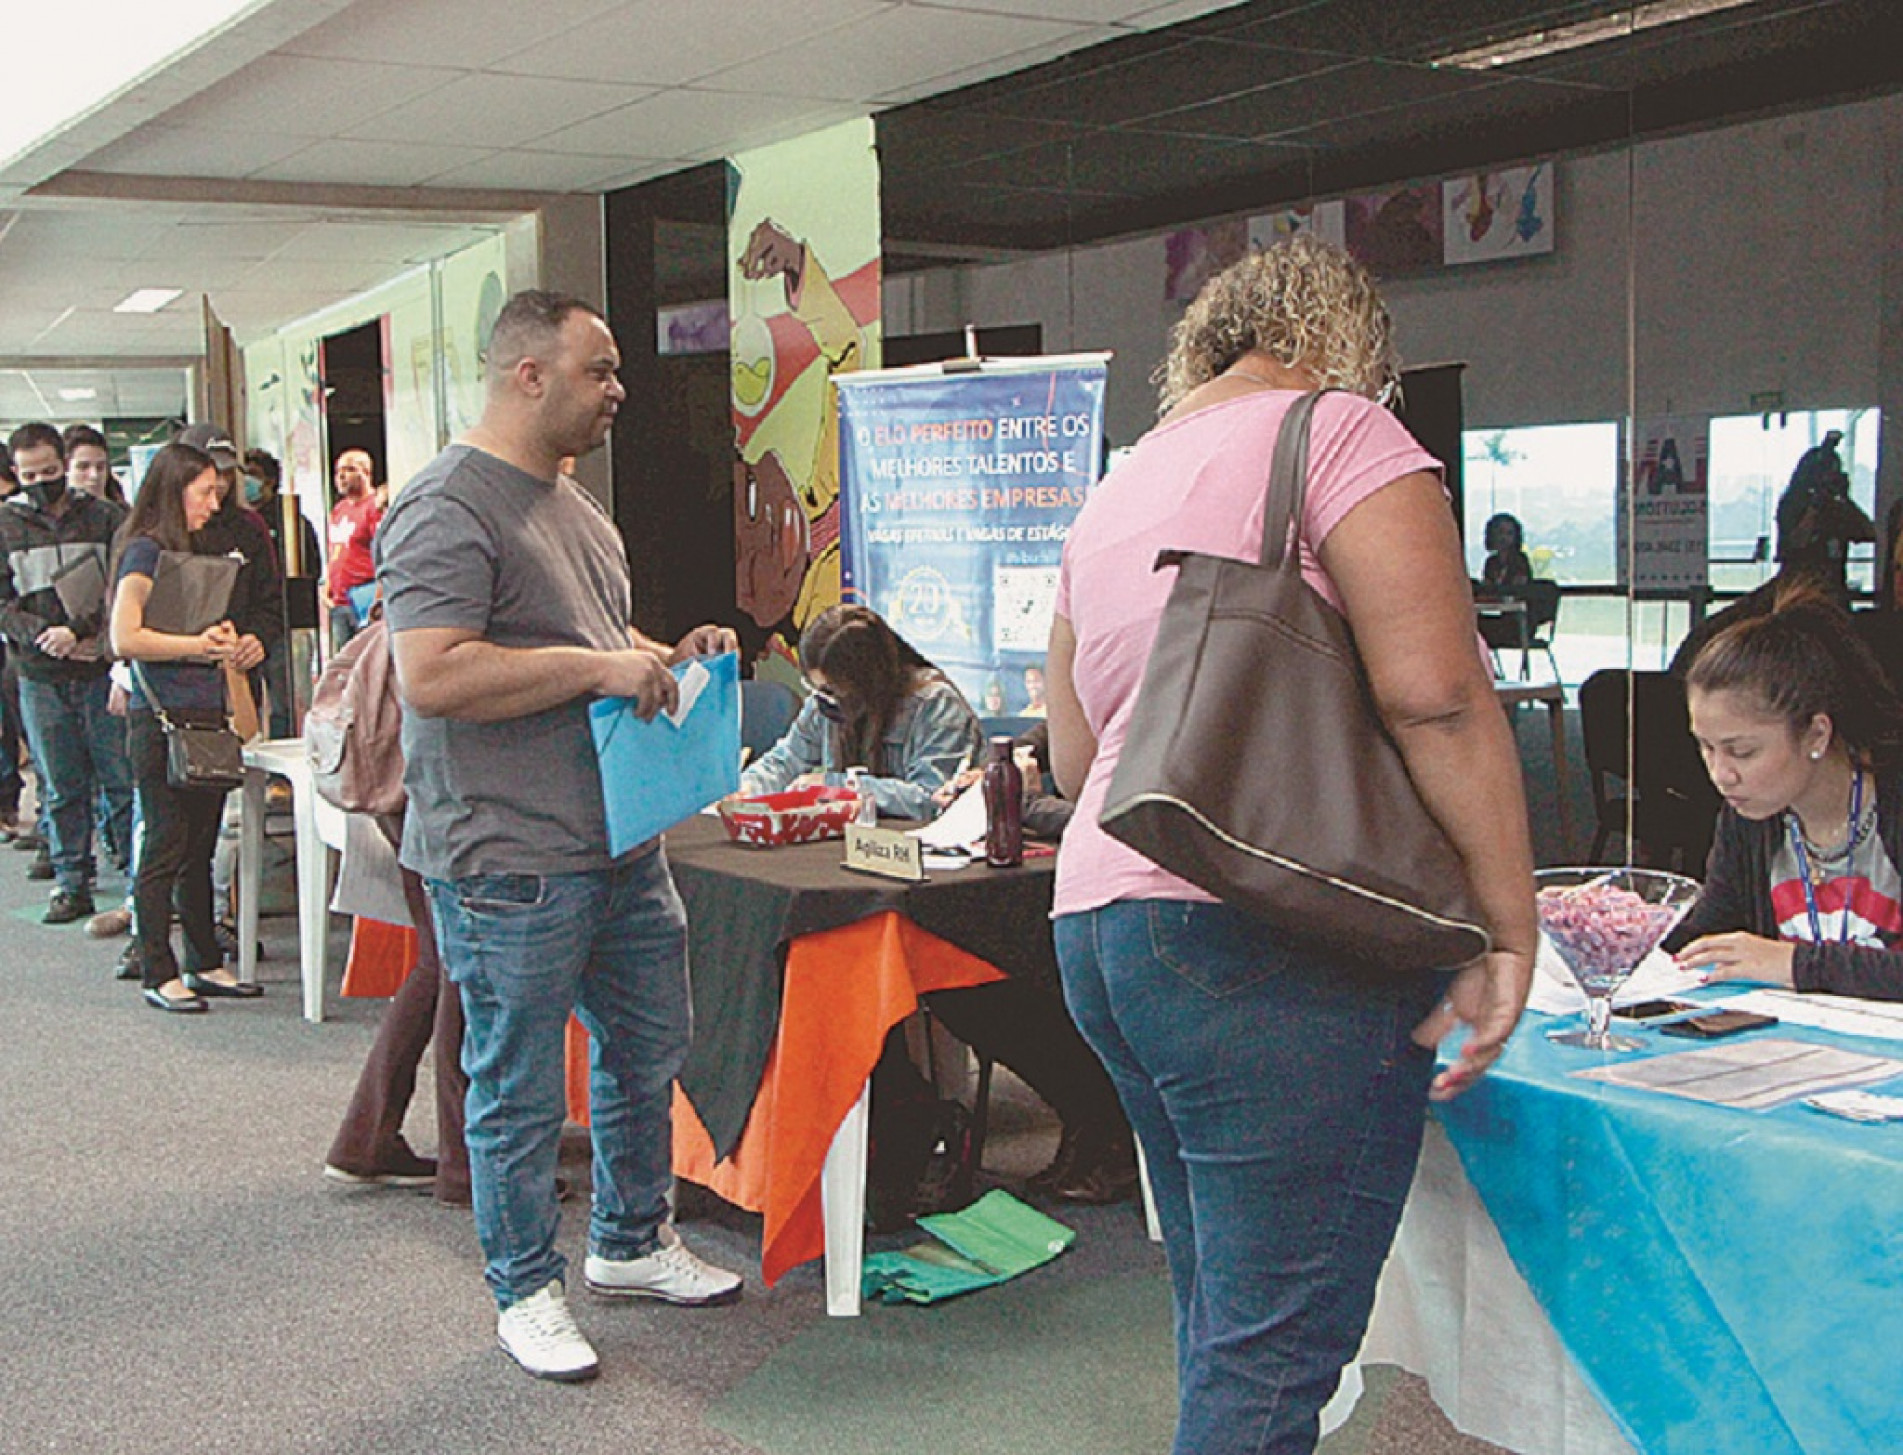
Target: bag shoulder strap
(1288,480)
(151,697)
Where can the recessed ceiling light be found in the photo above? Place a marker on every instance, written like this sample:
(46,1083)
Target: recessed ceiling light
(75,396)
(146,300)
(1533,43)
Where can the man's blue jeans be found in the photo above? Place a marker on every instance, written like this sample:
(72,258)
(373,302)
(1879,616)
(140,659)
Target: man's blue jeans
(525,950)
(1279,1102)
(79,748)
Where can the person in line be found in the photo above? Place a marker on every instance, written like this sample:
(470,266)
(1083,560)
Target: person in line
(1278,1094)
(78,747)
(257,611)
(12,780)
(878,704)
(509,602)
(89,469)
(353,526)
(183,676)
(263,480)
(1803,736)
(89,464)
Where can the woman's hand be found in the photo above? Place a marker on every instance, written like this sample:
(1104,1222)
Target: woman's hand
(218,641)
(957,785)
(1487,997)
(1736,955)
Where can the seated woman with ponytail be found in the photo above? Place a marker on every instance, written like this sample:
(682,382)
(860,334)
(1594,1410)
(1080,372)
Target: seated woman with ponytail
(1803,737)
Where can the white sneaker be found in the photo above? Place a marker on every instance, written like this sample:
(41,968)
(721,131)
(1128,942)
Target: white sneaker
(670,1273)
(539,1334)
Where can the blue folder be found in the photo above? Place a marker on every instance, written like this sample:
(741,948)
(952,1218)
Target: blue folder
(655,774)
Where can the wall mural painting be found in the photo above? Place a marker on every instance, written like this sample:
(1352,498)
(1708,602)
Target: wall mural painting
(803,297)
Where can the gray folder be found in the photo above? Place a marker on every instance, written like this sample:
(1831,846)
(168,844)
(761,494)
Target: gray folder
(190,592)
(81,588)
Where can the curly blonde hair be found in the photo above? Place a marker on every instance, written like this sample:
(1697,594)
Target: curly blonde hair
(1304,302)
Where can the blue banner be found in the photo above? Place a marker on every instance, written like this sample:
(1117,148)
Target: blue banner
(958,493)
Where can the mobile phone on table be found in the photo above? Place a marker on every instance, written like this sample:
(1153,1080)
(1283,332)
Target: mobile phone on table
(1652,1010)
(1718,1023)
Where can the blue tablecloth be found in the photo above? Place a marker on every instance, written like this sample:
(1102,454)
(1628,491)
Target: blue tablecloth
(1728,1282)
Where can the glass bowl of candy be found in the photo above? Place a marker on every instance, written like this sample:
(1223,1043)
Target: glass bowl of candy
(1602,923)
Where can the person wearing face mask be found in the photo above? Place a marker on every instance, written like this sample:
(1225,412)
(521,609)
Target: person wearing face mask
(263,477)
(12,781)
(89,464)
(52,537)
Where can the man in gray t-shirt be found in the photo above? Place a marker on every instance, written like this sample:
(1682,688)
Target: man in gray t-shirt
(507,593)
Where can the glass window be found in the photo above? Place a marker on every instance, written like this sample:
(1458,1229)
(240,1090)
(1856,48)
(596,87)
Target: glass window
(1752,457)
(1561,481)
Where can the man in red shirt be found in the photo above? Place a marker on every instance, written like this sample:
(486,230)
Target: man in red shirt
(353,521)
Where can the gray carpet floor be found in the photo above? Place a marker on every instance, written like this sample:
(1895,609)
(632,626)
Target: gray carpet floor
(178,1277)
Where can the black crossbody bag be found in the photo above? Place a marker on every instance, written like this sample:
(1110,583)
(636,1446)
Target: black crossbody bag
(204,756)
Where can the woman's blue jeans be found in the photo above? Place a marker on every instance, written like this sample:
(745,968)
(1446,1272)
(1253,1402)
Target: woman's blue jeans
(1279,1101)
(525,950)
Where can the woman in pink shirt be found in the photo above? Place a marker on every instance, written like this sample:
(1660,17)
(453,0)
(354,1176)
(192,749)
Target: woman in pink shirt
(1279,1097)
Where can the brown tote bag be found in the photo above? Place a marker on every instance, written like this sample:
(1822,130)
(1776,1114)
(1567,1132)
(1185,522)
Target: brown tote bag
(1257,768)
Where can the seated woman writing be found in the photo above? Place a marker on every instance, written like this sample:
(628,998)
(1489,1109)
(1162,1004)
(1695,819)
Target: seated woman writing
(1803,737)
(878,704)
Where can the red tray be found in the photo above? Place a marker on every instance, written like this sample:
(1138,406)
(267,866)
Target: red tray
(798,816)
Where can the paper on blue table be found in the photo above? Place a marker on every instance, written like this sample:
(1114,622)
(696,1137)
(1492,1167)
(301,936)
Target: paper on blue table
(655,774)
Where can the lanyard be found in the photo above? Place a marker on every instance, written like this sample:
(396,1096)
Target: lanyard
(1803,863)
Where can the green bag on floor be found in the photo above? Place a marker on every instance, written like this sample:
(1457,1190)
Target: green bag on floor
(994,1240)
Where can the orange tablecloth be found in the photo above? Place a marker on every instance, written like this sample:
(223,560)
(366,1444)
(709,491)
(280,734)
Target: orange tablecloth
(844,990)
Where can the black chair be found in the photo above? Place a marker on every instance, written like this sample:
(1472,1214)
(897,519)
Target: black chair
(1665,813)
(1542,623)
(1527,630)
(767,710)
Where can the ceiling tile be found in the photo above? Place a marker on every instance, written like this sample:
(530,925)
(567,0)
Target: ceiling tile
(54,238)
(1086,12)
(178,151)
(676,45)
(544,171)
(892,50)
(188,241)
(1151,78)
(686,123)
(493,111)
(395,244)
(467,33)
(299,96)
(369,163)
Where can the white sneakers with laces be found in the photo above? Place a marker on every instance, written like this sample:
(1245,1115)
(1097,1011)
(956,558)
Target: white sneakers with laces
(540,1335)
(670,1273)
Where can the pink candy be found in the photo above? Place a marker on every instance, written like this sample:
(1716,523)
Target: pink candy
(1601,930)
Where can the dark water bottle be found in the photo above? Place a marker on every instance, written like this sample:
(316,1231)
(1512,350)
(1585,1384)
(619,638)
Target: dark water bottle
(1004,807)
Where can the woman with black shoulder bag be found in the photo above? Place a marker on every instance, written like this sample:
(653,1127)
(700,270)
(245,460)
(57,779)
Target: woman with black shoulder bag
(177,678)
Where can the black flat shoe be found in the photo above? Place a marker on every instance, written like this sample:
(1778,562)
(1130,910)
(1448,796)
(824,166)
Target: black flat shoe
(218,990)
(183,1005)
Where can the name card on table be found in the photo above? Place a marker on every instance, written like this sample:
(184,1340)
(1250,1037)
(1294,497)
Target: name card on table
(888,852)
